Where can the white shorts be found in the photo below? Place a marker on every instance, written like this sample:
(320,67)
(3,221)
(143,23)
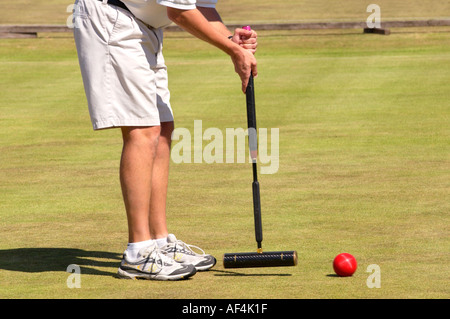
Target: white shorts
(122,66)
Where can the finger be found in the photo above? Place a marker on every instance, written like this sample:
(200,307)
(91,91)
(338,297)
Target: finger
(243,34)
(247,41)
(244,85)
(254,35)
(255,70)
(244,78)
(249,46)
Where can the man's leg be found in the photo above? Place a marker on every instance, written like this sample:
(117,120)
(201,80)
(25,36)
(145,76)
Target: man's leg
(157,223)
(160,178)
(136,166)
(140,159)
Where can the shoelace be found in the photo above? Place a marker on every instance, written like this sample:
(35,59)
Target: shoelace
(187,248)
(156,255)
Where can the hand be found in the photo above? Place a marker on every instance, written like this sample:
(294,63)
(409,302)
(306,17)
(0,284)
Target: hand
(247,39)
(244,63)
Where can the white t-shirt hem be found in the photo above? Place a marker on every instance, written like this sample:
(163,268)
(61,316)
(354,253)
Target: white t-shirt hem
(205,5)
(176,5)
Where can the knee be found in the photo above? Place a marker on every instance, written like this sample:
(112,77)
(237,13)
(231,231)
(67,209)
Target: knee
(141,136)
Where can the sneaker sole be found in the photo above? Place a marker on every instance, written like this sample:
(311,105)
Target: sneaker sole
(205,267)
(123,274)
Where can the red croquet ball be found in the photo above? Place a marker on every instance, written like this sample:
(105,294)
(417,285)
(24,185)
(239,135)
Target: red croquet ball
(344,265)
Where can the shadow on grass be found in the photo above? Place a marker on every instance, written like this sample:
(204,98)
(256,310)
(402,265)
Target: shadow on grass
(35,260)
(226,273)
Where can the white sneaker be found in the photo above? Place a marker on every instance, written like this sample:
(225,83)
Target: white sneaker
(184,254)
(155,265)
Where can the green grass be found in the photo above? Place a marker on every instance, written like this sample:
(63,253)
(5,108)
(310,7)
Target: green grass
(249,11)
(364,160)
(364,168)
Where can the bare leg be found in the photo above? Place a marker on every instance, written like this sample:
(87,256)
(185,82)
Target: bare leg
(136,166)
(160,178)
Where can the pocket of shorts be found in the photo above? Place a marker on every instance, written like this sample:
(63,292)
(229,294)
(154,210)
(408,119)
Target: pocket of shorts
(121,27)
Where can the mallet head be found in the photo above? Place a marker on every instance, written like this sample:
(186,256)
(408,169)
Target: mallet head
(257,259)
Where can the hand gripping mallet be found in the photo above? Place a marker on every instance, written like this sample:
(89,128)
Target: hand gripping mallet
(258,258)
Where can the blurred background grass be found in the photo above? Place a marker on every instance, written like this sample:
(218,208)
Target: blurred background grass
(249,11)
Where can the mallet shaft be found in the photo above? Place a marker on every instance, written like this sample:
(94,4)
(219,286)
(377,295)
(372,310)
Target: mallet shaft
(253,145)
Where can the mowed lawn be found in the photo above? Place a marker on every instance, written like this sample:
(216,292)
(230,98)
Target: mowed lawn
(363,168)
(249,11)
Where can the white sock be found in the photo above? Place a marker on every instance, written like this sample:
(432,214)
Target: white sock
(161,242)
(133,248)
